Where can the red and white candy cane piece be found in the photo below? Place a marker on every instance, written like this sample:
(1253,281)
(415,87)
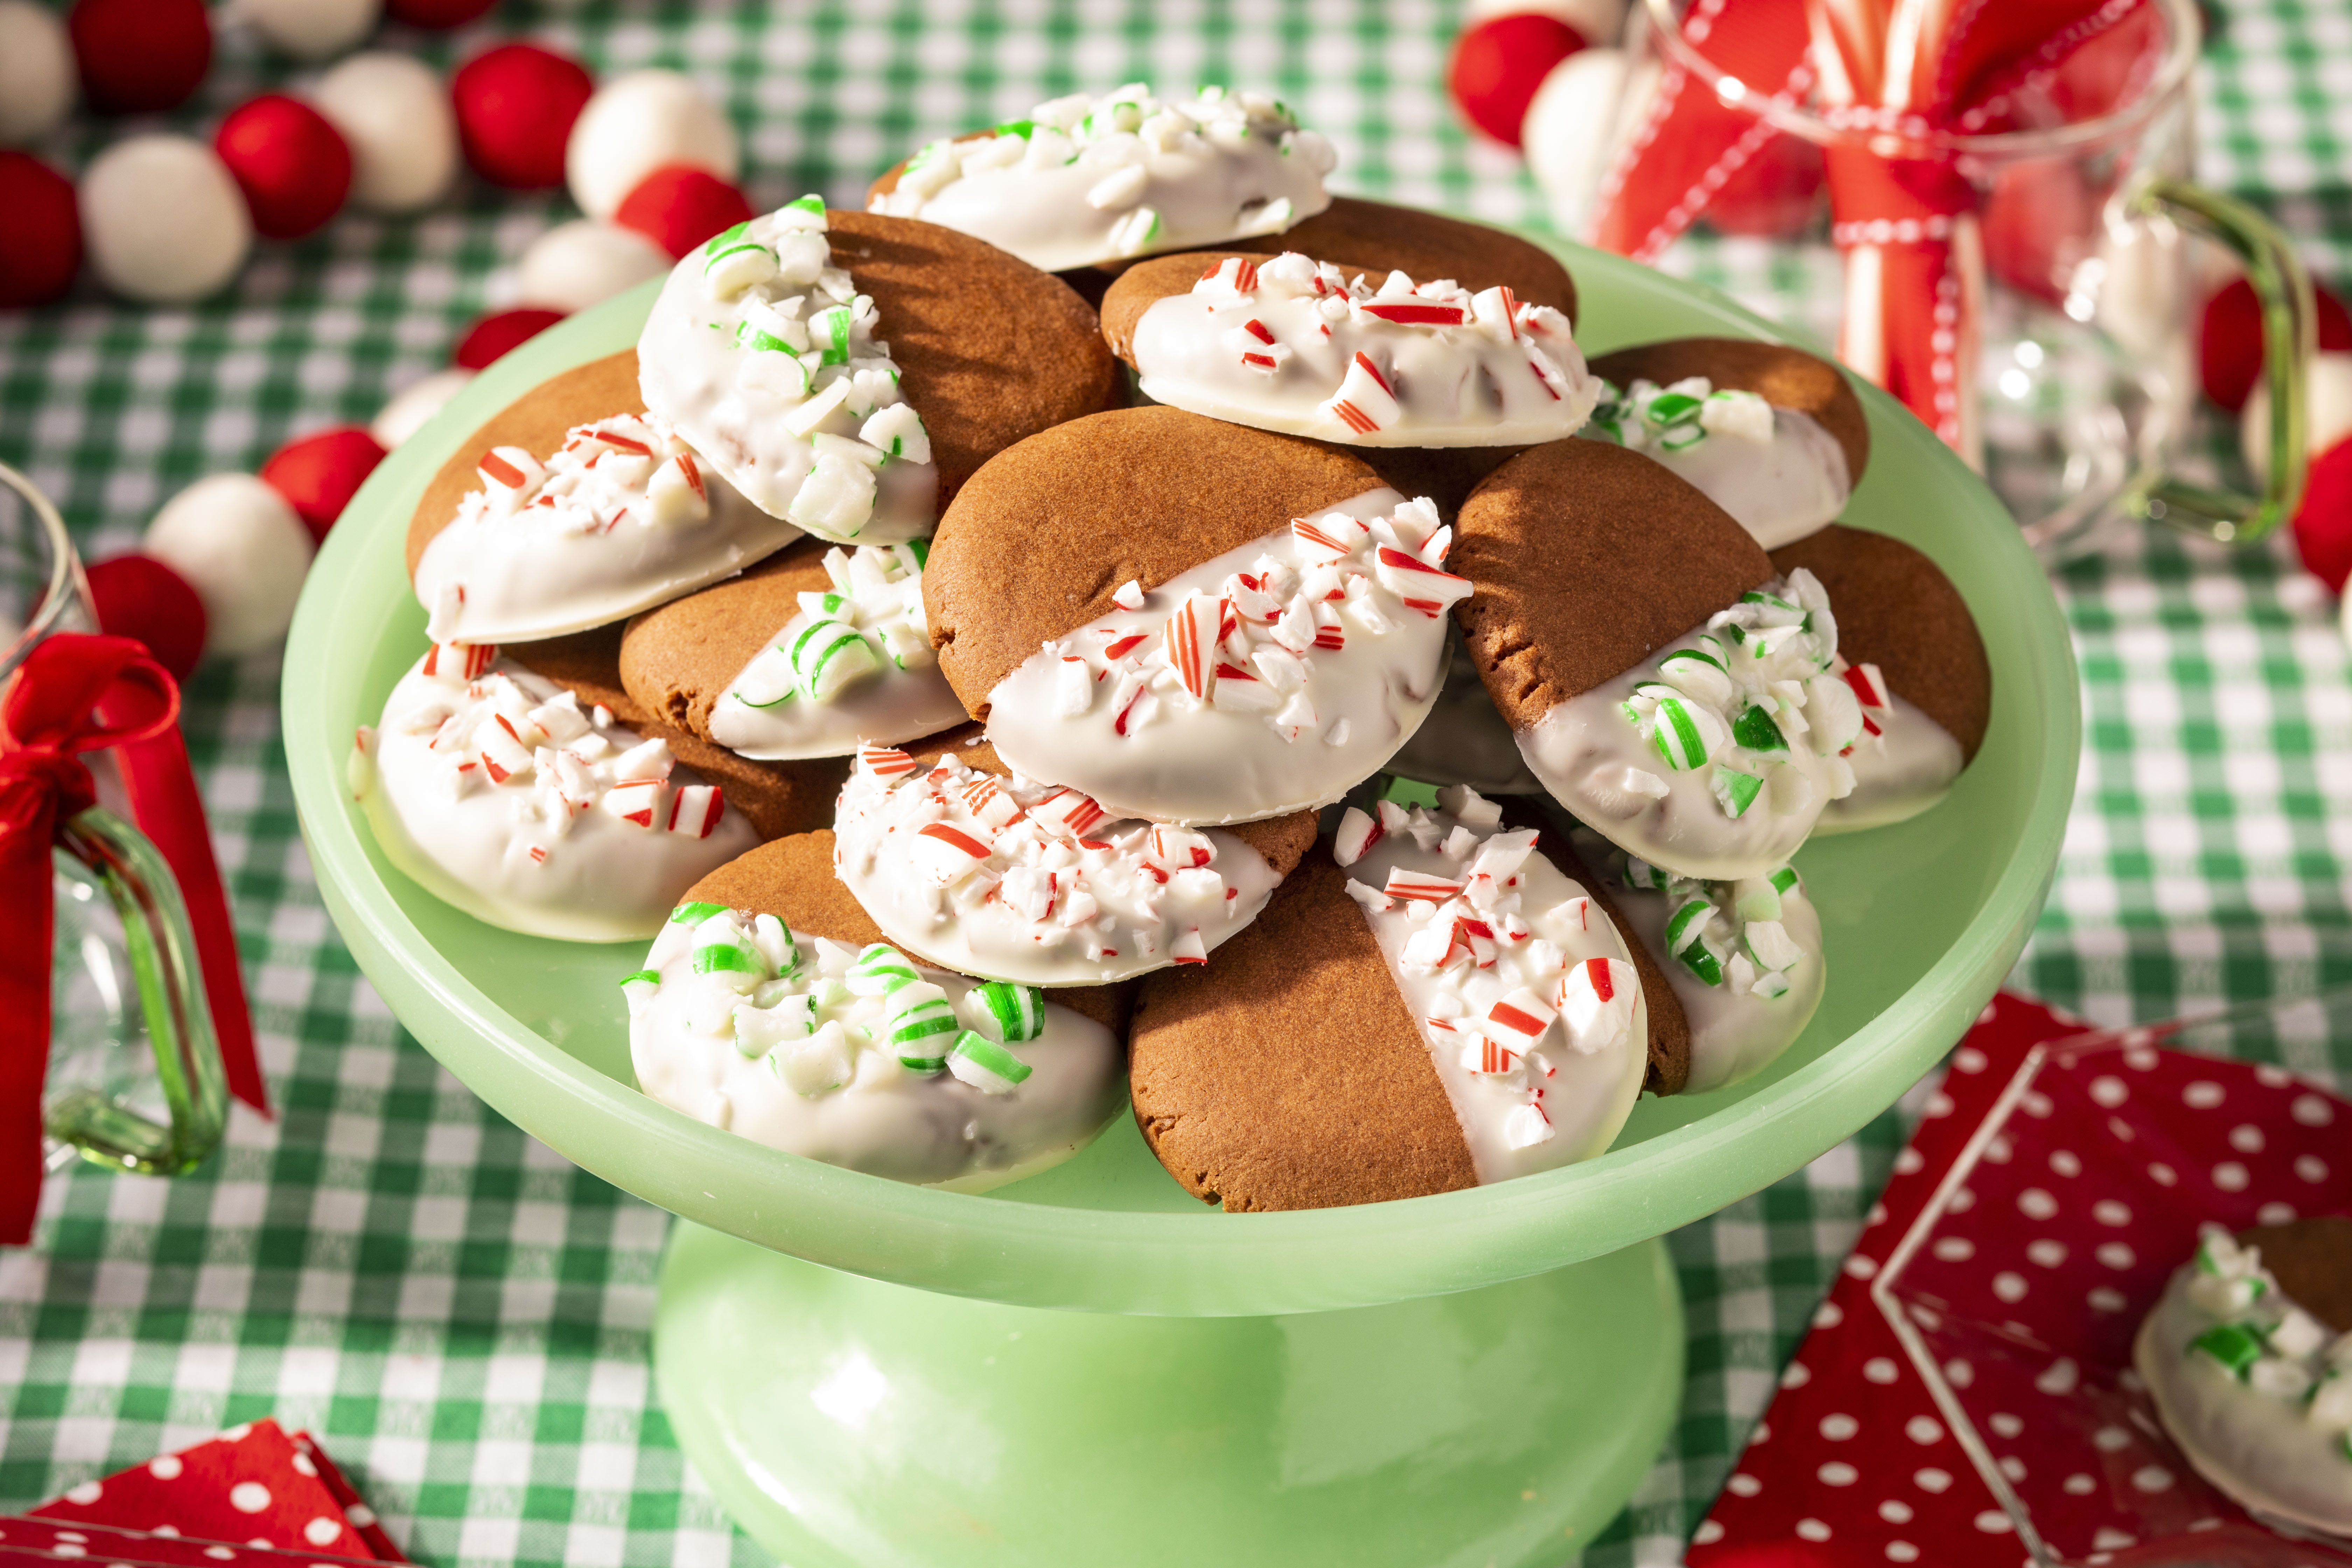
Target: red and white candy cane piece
(987,800)
(1596,1002)
(1178,847)
(1329,538)
(1237,274)
(637,801)
(1421,586)
(460,661)
(538,853)
(1521,1018)
(1869,685)
(509,468)
(1250,599)
(1330,632)
(946,853)
(1068,811)
(1364,402)
(1189,948)
(1415,312)
(686,466)
(619,440)
(1242,691)
(503,756)
(695,810)
(1128,596)
(1480,936)
(1495,1058)
(1358,833)
(884,762)
(1404,884)
(1192,635)
(1118,647)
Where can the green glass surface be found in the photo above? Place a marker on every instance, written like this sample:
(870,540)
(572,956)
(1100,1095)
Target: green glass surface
(1921,921)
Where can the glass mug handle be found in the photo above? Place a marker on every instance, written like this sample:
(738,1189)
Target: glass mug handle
(2283,290)
(162,948)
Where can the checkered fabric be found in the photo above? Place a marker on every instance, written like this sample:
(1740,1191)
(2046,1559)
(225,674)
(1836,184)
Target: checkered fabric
(461,1316)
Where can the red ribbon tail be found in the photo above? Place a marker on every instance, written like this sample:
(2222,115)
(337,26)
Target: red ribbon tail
(165,803)
(26,932)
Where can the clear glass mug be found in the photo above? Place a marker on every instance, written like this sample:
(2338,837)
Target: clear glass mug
(135,1081)
(2086,375)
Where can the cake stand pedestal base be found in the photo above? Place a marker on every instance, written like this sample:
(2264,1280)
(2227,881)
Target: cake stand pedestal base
(850,1423)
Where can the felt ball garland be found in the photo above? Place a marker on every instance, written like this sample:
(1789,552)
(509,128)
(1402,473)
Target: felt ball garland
(40,245)
(516,104)
(293,165)
(140,57)
(678,206)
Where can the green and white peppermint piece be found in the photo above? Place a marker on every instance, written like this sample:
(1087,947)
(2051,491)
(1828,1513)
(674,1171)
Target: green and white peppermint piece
(1685,939)
(775,940)
(900,433)
(1771,945)
(1735,791)
(2235,1346)
(829,330)
(985,1065)
(1756,730)
(908,645)
(1696,673)
(920,1035)
(1771,985)
(1672,408)
(638,989)
(828,655)
(811,203)
(759,1030)
(768,682)
(1640,873)
(876,969)
(1019,1010)
(1686,734)
(695,914)
(739,265)
(823,1062)
(1784,880)
(1756,899)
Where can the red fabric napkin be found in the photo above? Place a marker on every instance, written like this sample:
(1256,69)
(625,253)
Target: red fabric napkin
(253,1485)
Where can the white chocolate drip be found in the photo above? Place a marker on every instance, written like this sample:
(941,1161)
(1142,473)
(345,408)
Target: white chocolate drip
(1287,344)
(2256,1391)
(1089,180)
(1713,758)
(1747,964)
(1901,771)
(796,1059)
(624,517)
(854,666)
(1775,470)
(1491,948)
(1032,882)
(766,357)
(492,790)
(1332,647)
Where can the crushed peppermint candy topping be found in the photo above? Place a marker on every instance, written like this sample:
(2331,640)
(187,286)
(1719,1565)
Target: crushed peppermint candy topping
(869,624)
(1677,417)
(1779,472)
(1728,935)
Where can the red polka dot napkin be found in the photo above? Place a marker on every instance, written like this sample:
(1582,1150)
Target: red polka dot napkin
(2030,1223)
(253,1485)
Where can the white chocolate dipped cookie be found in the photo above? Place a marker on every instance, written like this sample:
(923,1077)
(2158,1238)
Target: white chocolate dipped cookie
(764,1012)
(1431,1004)
(1771,434)
(1085,180)
(1744,958)
(1222,624)
(573,509)
(2255,1385)
(1666,688)
(963,862)
(496,791)
(1337,352)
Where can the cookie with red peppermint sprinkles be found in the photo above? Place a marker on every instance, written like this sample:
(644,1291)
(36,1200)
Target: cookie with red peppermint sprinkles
(1427,245)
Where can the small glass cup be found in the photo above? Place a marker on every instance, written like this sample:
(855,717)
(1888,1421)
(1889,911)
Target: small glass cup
(135,1081)
(2085,382)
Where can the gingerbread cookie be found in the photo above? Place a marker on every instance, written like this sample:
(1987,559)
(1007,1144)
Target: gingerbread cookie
(769,1007)
(1085,180)
(1190,621)
(1425,1005)
(1665,685)
(813,652)
(498,792)
(2251,1377)
(573,508)
(1463,741)
(846,373)
(1771,434)
(1333,351)
(1911,651)
(966,863)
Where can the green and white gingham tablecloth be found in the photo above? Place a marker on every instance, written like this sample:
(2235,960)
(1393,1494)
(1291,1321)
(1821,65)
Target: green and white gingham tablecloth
(461,1315)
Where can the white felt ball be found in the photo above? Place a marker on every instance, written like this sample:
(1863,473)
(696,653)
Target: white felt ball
(416,404)
(162,220)
(396,115)
(633,125)
(1572,126)
(36,72)
(1600,21)
(581,263)
(2326,413)
(311,29)
(240,546)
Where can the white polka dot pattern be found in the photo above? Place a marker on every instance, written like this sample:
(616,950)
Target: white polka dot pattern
(255,1484)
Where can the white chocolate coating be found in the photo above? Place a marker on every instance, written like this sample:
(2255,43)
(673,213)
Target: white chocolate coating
(1775,470)
(1089,180)
(1749,991)
(1059,893)
(1527,1101)
(1905,768)
(1465,739)
(767,359)
(772,711)
(624,516)
(1605,754)
(1281,720)
(1287,344)
(878,1116)
(547,850)
(2272,1435)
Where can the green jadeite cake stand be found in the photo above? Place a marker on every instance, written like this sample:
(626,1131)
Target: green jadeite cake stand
(1088,1367)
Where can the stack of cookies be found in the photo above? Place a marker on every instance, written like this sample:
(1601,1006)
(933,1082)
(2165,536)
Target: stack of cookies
(1303,697)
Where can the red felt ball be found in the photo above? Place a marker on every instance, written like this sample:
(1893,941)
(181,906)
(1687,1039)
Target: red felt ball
(500,332)
(40,242)
(678,206)
(436,15)
(139,596)
(1498,64)
(138,57)
(2323,524)
(317,474)
(516,104)
(2230,343)
(293,165)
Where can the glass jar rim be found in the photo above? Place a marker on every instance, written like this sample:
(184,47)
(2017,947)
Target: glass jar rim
(66,592)
(1915,138)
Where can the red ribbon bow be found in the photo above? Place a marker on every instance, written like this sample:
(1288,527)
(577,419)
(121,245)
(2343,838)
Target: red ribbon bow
(1900,210)
(77,693)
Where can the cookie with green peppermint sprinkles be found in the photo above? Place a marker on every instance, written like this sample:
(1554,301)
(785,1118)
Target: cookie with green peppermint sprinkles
(1790,379)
